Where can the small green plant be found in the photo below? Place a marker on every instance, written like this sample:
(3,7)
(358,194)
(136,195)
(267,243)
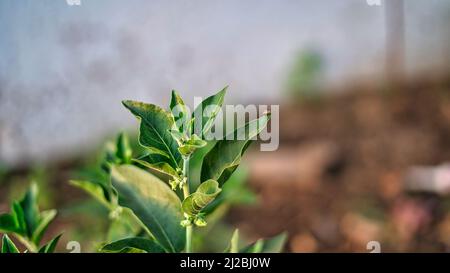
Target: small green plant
(305,75)
(27,224)
(154,193)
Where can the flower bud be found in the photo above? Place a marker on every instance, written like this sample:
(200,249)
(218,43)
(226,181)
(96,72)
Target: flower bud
(200,222)
(186,223)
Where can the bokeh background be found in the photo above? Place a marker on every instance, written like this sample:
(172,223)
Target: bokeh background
(364,95)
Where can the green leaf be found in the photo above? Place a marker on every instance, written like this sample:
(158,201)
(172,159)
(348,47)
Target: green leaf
(160,167)
(271,245)
(95,190)
(45,219)
(179,112)
(204,120)
(19,217)
(154,130)
(234,192)
(204,194)
(234,245)
(179,137)
(191,145)
(223,159)
(132,244)
(8,246)
(125,225)
(50,246)
(123,149)
(153,202)
(30,209)
(8,223)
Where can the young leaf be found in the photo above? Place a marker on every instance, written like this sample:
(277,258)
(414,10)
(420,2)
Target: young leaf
(50,246)
(19,217)
(191,145)
(204,194)
(223,159)
(271,245)
(179,112)
(154,130)
(123,149)
(234,192)
(30,209)
(8,223)
(8,245)
(132,244)
(234,245)
(96,190)
(153,202)
(45,219)
(202,122)
(179,137)
(160,167)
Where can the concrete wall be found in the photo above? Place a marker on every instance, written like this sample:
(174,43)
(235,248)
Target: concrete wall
(64,69)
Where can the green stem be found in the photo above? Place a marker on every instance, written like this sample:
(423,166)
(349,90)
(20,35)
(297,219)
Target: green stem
(29,245)
(186,193)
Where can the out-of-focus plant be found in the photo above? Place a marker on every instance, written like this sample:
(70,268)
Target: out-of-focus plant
(95,180)
(27,224)
(155,188)
(304,77)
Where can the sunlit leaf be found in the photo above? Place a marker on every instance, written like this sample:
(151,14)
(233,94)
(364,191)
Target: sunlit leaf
(45,219)
(161,167)
(223,159)
(50,246)
(180,113)
(8,246)
(198,200)
(154,130)
(234,244)
(205,113)
(153,202)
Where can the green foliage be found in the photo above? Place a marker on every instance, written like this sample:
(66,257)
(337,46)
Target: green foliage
(133,245)
(205,113)
(155,187)
(50,246)
(225,156)
(198,200)
(271,245)
(153,202)
(304,78)
(27,224)
(8,246)
(154,132)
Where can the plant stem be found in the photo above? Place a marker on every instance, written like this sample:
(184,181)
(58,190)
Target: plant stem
(29,245)
(186,193)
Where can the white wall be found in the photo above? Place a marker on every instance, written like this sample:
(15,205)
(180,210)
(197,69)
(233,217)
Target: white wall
(65,69)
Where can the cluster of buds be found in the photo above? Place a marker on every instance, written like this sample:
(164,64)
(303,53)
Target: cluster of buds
(198,220)
(178,182)
(115,213)
(187,145)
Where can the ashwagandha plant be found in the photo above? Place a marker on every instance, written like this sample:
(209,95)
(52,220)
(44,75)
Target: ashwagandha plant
(27,224)
(154,189)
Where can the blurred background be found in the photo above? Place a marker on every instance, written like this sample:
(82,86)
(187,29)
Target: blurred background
(364,95)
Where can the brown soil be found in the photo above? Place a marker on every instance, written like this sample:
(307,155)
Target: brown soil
(337,180)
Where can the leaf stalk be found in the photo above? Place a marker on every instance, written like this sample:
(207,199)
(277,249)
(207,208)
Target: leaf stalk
(186,193)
